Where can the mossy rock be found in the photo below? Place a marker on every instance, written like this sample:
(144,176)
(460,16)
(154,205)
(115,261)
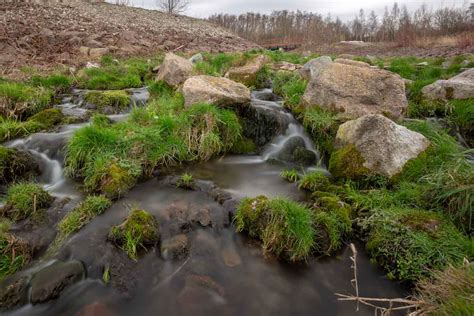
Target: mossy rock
(16,165)
(139,231)
(48,118)
(250,216)
(115,99)
(26,200)
(347,162)
(116,181)
(244,146)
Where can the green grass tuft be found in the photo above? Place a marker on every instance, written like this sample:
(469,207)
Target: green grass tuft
(85,212)
(138,231)
(290,86)
(284,226)
(290,175)
(410,244)
(25,200)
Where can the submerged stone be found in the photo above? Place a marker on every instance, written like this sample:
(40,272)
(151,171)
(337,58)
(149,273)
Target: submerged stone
(52,280)
(175,248)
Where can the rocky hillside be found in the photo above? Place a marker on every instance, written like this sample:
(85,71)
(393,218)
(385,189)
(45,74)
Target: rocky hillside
(33,34)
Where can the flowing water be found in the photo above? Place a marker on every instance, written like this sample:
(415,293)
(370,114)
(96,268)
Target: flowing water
(224,272)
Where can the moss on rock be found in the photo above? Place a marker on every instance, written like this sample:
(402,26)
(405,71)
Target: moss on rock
(25,200)
(244,146)
(16,165)
(139,231)
(115,99)
(348,163)
(47,118)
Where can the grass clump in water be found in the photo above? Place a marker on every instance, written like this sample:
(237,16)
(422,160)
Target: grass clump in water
(290,175)
(25,200)
(138,231)
(186,181)
(448,292)
(284,226)
(85,212)
(115,99)
(314,181)
(410,244)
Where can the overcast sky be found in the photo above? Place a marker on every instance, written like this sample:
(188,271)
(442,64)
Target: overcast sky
(345,9)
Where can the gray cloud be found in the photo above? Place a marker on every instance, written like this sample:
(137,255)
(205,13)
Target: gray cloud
(343,8)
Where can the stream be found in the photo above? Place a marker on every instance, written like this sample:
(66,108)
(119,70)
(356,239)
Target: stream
(224,272)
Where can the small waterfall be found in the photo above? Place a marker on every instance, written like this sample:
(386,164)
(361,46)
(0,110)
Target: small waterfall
(47,147)
(267,100)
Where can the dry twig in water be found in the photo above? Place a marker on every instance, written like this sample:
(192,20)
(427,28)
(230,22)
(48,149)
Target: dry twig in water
(379,304)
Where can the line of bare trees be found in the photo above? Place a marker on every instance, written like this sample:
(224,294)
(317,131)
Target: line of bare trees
(396,24)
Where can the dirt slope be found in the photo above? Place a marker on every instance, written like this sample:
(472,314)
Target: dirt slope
(41,35)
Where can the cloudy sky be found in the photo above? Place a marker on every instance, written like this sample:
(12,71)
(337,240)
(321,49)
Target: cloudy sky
(345,9)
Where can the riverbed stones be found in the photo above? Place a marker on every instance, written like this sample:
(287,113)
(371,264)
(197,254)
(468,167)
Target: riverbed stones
(458,87)
(248,73)
(351,89)
(52,280)
(175,248)
(373,144)
(214,90)
(174,70)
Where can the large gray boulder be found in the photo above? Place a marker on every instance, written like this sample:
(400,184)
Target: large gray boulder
(215,90)
(353,89)
(374,144)
(458,87)
(313,67)
(174,70)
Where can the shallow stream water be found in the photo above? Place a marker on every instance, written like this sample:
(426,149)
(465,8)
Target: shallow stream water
(224,273)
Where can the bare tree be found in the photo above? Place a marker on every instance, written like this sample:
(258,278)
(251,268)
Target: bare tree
(173,6)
